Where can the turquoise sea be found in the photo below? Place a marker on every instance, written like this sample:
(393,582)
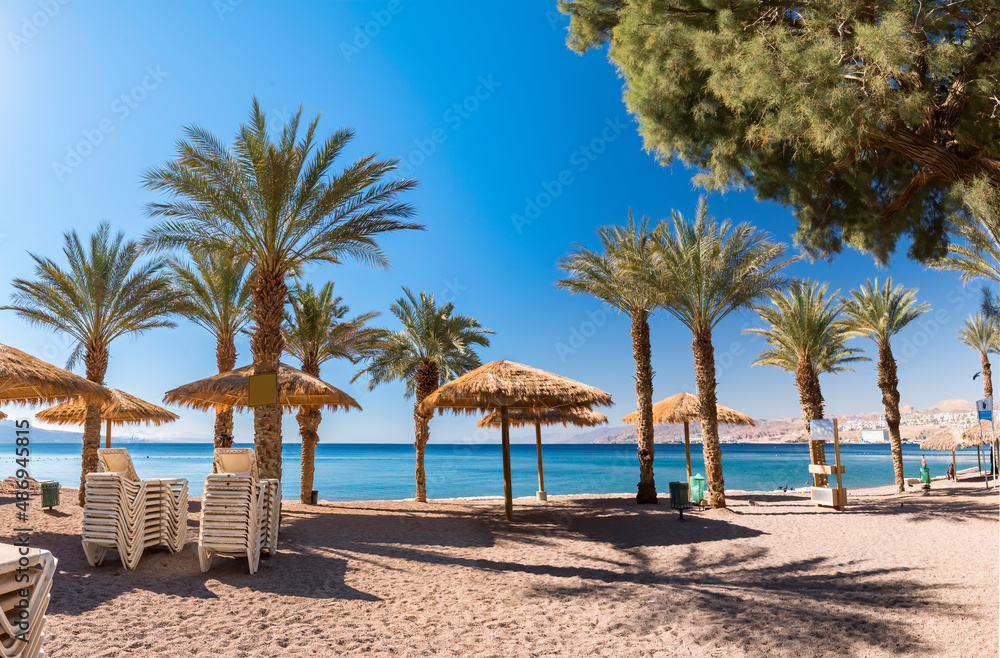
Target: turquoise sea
(358,471)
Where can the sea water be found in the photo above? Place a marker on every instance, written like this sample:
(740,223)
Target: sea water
(358,471)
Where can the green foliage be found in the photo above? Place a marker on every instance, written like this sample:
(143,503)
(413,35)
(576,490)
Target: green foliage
(870,118)
(614,275)
(705,270)
(216,290)
(430,333)
(980,333)
(976,253)
(276,201)
(880,312)
(316,330)
(803,324)
(104,292)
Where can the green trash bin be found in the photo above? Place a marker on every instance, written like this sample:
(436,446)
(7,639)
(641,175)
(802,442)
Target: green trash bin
(697,488)
(679,497)
(925,475)
(50,493)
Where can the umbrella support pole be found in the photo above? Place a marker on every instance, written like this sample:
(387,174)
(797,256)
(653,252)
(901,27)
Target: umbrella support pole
(540,494)
(107,436)
(687,454)
(508,503)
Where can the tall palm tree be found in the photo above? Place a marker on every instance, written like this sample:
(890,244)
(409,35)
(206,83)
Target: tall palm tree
(316,331)
(615,276)
(982,335)
(879,312)
(805,336)
(216,292)
(975,254)
(277,203)
(103,294)
(434,346)
(703,272)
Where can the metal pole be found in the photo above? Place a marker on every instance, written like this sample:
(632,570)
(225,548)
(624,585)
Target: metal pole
(508,502)
(687,453)
(541,478)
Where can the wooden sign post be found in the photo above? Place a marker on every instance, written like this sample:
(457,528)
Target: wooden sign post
(836,497)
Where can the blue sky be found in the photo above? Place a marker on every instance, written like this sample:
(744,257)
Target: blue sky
(521,147)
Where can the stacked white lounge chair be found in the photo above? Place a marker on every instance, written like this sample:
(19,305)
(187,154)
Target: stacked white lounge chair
(240,511)
(24,597)
(124,513)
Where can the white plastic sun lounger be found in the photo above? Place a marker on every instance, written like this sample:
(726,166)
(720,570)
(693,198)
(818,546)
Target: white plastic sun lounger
(24,599)
(240,511)
(127,514)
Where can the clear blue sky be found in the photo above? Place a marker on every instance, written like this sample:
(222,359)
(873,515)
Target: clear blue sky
(486,107)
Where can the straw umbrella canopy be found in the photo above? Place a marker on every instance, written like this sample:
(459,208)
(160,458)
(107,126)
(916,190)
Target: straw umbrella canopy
(123,409)
(503,386)
(539,417)
(949,438)
(26,379)
(685,408)
(2,415)
(232,389)
(979,435)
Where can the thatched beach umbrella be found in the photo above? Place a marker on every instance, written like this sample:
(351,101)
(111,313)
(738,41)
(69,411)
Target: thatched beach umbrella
(949,438)
(232,390)
(123,409)
(979,435)
(685,408)
(539,417)
(26,379)
(503,386)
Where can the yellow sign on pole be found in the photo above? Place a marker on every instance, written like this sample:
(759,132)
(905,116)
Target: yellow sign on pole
(263,389)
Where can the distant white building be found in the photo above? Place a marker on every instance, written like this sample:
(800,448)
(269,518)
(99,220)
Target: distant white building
(875,436)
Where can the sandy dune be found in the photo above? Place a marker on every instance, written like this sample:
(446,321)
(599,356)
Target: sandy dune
(591,575)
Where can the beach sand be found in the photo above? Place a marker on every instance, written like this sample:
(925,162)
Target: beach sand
(580,575)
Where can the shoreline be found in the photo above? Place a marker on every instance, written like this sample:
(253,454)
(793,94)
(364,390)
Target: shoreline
(577,575)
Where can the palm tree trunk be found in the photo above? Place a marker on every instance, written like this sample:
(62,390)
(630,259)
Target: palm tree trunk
(811,401)
(269,293)
(426,382)
(888,382)
(987,376)
(309,419)
(225,359)
(704,376)
(642,354)
(96,361)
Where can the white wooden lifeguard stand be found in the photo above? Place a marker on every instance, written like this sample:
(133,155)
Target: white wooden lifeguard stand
(835,497)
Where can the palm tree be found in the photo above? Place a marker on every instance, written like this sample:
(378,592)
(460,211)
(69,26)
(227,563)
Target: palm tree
(615,276)
(804,336)
(104,293)
(879,312)
(216,292)
(315,332)
(435,346)
(976,255)
(981,334)
(278,204)
(703,272)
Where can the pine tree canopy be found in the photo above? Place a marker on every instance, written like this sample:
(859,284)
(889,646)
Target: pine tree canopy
(876,121)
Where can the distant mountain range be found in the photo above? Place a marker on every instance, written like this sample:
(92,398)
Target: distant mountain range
(916,424)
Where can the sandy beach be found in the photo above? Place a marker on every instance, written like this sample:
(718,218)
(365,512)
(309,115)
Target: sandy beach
(580,575)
